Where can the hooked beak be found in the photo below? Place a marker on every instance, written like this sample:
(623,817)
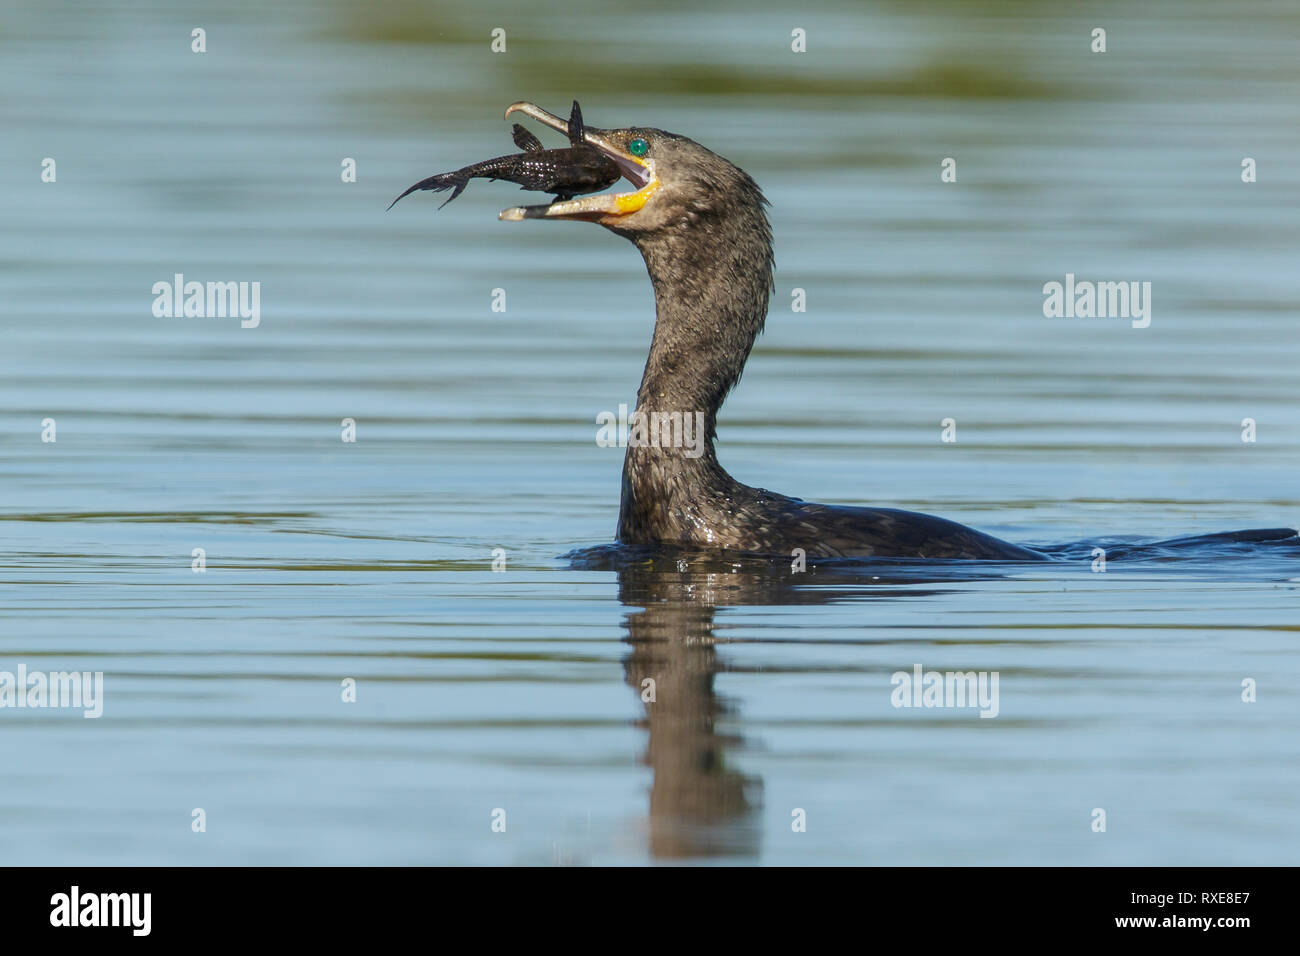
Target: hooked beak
(605,208)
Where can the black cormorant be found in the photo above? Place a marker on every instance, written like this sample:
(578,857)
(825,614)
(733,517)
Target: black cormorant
(700,224)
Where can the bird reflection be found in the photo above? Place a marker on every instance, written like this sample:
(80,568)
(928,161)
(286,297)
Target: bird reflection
(702,804)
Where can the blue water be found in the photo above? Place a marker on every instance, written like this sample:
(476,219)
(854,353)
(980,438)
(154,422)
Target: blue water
(520,690)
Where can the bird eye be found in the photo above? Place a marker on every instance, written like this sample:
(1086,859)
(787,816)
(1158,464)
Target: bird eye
(638,147)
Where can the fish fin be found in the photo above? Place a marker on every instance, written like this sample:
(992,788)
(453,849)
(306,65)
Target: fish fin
(460,188)
(526,140)
(436,184)
(575,126)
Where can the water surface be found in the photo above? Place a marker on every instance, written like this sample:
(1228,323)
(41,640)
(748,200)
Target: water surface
(520,689)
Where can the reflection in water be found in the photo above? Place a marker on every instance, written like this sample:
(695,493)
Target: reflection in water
(700,805)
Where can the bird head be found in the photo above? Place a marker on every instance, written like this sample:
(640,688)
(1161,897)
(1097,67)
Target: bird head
(677,182)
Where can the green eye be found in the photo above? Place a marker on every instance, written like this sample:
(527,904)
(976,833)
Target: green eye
(638,147)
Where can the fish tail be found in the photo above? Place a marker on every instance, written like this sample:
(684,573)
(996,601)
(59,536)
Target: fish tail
(437,184)
(503,167)
(460,188)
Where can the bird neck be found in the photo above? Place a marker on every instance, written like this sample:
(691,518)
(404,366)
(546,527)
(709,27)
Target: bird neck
(712,279)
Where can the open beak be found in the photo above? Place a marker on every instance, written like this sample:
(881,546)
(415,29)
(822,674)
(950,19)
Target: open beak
(604,208)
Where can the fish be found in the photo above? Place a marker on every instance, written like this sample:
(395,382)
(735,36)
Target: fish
(572,171)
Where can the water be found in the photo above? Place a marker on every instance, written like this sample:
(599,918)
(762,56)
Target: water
(520,690)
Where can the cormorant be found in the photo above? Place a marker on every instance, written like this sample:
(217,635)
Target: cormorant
(700,224)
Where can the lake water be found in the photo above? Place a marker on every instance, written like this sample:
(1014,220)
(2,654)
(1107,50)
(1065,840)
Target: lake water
(520,690)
